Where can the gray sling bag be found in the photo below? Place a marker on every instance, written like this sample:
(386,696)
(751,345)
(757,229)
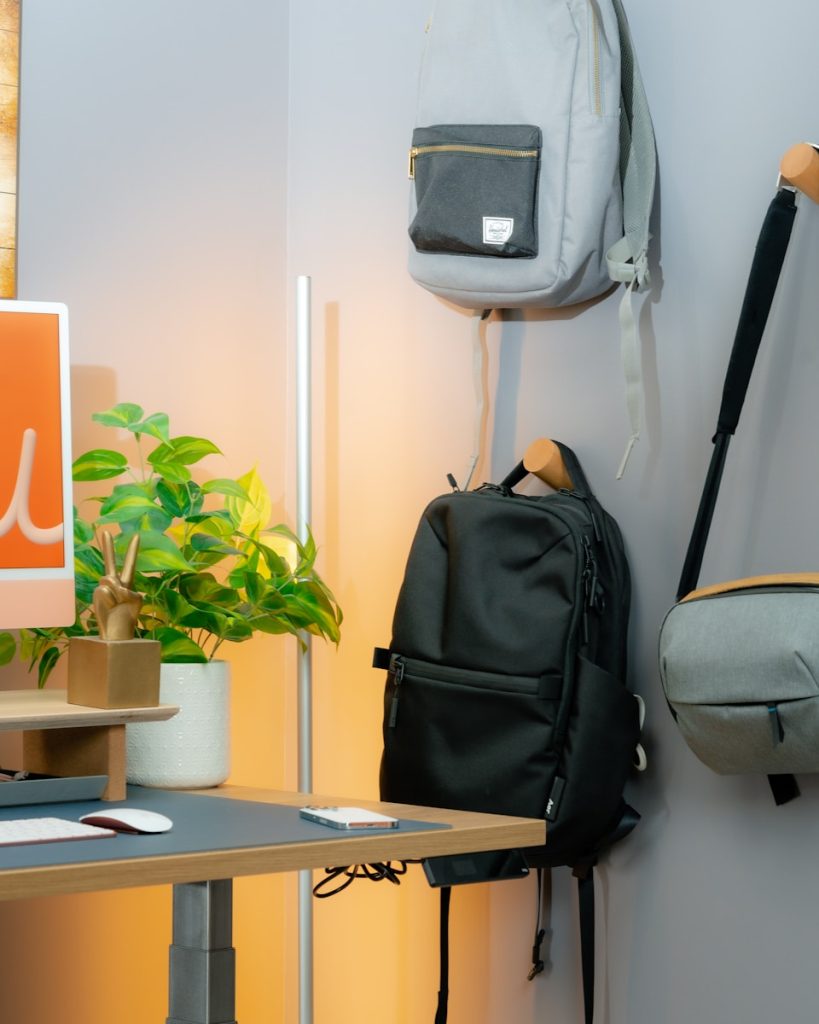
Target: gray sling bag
(739,660)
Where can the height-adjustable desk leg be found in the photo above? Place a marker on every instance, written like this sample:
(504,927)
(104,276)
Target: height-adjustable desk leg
(202,959)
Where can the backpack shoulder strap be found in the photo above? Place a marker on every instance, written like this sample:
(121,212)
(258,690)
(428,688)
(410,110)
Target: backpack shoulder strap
(585,897)
(628,259)
(443,990)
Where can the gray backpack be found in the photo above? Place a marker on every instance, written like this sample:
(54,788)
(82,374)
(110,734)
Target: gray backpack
(533,160)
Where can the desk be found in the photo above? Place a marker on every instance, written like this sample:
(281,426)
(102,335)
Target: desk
(202,958)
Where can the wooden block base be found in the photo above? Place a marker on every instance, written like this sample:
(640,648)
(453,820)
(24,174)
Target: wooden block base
(113,673)
(92,750)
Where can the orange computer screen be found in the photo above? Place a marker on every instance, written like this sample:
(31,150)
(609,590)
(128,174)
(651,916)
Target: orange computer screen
(31,496)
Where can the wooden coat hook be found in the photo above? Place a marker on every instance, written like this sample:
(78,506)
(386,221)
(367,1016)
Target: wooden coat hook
(800,168)
(543,460)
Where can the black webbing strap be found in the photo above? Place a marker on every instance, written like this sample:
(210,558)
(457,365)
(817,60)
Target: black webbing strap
(783,787)
(538,963)
(585,897)
(575,471)
(762,281)
(443,991)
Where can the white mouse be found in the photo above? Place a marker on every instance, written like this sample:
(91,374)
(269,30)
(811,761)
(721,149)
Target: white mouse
(128,819)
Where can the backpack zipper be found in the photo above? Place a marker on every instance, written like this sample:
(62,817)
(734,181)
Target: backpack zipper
(597,88)
(462,147)
(396,674)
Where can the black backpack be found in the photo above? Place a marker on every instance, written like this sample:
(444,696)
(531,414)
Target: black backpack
(505,687)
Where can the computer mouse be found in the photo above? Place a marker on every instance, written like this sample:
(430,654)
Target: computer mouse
(128,819)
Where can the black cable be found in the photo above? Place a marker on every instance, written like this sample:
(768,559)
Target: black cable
(341,877)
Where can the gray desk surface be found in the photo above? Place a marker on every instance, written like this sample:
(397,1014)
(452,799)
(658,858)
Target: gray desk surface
(199,826)
(245,838)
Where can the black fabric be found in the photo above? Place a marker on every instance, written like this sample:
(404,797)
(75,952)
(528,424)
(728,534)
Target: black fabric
(762,281)
(784,788)
(705,513)
(505,692)
(443,988)
(585,897)
(766,268)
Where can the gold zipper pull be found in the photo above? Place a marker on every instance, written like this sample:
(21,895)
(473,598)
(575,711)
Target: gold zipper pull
(412,155)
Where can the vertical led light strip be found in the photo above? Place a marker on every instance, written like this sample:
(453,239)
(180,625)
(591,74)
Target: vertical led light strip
(9,110)
(304,655)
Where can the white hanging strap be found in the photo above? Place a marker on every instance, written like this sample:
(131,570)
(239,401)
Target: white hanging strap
(628,259)
(481,392)
(632,371)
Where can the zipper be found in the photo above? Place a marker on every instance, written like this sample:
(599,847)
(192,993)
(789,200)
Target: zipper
(463,147)
(402,667)
(396,675)
(597,87)
(589,508)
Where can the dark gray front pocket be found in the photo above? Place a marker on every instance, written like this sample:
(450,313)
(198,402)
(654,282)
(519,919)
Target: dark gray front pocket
(476,189)
(469,740)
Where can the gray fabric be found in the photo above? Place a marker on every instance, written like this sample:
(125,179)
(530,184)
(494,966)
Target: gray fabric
(726,660)
(461,170)
(533,63)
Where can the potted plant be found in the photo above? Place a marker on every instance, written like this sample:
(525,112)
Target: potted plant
(211,569)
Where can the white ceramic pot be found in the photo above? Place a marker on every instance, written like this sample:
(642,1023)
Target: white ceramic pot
(192,749)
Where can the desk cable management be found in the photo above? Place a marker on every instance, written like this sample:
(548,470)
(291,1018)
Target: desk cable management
(339,878)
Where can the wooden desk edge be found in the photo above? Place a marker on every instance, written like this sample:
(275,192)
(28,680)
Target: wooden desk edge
(471,832)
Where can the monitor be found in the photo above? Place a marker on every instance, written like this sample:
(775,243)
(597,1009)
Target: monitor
(36,517)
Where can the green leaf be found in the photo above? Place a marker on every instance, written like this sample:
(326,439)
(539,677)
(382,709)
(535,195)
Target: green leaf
(48,660)
(237,630)
(273,624)
(217,522)
(155,425)
(122,415)
(251,512)
(183,451)
(207,542)
(171,471)
(83,531)
(99,464)
(205,589)
(254,585)
(176,646)
(173,498)
(157,553)
(7,648)
(120,493)
(125,507)
(230,488)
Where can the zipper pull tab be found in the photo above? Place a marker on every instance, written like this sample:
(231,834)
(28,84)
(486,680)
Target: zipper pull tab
(412,155)
(777,729)
(453,483)
(396,674)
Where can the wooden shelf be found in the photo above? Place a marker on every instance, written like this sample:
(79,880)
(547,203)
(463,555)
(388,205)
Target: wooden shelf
(49,709)
(70,739)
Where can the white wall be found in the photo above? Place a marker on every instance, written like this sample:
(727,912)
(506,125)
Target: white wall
(153,200)
(710,908)
(153,163)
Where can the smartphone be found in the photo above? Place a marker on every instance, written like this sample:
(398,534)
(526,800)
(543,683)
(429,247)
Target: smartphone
(347,817)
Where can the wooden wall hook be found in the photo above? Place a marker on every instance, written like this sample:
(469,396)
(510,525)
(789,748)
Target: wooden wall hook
(800,168)
(543,460)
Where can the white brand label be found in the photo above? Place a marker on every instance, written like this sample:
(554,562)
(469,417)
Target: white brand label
(497,230)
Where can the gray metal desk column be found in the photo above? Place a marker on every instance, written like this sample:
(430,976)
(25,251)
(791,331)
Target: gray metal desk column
(202,973)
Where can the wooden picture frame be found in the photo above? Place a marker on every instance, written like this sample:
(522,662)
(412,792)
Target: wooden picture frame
(9,117)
